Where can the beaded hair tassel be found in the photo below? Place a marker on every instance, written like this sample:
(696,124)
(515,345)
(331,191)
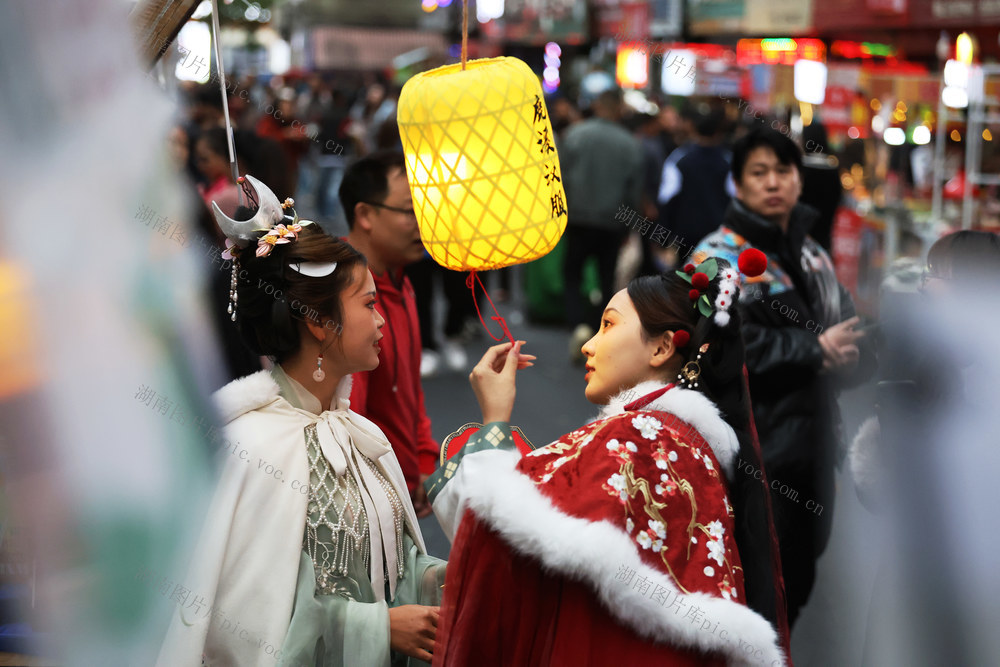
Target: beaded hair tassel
(233,296)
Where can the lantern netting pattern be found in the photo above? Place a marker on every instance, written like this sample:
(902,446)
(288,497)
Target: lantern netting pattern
(482,164)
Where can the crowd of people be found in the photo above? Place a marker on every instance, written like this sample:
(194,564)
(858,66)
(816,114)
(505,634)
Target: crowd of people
(717,362)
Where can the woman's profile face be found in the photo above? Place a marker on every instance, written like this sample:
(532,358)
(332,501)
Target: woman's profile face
(212,165)
(617,356)
(360,333)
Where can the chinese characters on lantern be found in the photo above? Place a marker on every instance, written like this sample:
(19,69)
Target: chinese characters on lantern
(546,147)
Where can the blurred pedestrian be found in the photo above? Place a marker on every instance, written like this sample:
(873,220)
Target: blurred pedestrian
(425,276)
(205,108)
(668,119)
(695,186)
(263,157)
(369,113)
(821,187)
(904,273)
(211,155)
(563,114)
(333,150)
(379,209)
(802,347)
(926,464)
(647,132)
(283,125)
(602,172)
(239,360)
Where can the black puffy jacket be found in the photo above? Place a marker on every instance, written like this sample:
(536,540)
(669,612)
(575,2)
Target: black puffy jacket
(783,313)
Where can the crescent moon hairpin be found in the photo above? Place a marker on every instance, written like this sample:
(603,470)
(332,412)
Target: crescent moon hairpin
(268,214)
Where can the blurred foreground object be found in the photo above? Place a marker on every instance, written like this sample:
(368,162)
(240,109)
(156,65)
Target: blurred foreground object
(155,24)
(103,380)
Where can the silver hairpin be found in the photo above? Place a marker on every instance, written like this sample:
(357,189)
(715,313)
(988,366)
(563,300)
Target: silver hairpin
(314,269)
(242,232)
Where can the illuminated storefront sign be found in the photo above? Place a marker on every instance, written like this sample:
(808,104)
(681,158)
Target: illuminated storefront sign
(779,51)
(632,70)
(861,50)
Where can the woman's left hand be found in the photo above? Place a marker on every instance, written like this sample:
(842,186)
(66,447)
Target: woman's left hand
(493,380)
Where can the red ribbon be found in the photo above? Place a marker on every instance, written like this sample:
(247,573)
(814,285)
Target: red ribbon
(470,282)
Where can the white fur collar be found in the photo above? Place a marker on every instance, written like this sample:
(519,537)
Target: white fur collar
(598,553)
(257,390)
(693,407)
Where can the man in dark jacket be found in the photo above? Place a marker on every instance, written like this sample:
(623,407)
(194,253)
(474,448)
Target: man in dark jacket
(602,173)
(694,185)
(801,347)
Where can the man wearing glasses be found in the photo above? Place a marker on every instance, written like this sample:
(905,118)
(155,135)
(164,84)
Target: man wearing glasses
(379,209)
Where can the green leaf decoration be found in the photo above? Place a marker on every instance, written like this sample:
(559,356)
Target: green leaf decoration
(709,267)
(704,306)
(684,276)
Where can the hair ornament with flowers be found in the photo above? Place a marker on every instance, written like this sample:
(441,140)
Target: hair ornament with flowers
(751,263)
(278,227)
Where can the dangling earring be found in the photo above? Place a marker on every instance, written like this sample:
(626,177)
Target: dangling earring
(692,370)
(319,375)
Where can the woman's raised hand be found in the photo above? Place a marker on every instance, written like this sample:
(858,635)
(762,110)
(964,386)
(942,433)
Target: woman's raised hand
(493,380)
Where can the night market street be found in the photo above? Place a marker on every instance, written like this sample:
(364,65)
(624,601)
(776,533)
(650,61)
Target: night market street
(702,294)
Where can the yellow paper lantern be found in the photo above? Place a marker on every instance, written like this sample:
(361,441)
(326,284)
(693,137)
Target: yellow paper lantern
(482,164)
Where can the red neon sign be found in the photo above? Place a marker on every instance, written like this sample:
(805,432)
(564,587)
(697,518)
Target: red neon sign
(861,50)
(779,51)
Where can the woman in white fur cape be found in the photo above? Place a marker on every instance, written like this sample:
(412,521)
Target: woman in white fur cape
(634,539)
(311,553)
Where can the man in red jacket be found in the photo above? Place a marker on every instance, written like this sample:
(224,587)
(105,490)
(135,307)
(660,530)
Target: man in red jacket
(379,209)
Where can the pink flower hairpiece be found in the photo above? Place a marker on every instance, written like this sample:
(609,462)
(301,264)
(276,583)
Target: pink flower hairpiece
(232,250)
(278,235)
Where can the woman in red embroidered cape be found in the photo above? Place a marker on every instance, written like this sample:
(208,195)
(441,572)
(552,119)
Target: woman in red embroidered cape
(633,538)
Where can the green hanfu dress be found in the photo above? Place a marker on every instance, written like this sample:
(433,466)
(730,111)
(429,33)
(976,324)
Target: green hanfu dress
(337,620)
(308,540)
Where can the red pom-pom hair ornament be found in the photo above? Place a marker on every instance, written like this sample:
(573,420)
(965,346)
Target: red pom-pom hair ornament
(689,269)
(752,263)
(693,294)
(699,280)
(681,338)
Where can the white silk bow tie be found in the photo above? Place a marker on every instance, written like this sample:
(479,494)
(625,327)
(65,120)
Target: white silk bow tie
(340,432)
